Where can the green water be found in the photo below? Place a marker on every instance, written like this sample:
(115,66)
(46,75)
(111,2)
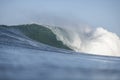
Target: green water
(40,34)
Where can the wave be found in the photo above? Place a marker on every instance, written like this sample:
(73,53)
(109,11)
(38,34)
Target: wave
(99,41)
(38,33)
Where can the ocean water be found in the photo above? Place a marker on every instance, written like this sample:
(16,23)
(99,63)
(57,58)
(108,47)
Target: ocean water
(35,52)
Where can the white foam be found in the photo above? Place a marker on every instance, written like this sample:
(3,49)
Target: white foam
(99,41)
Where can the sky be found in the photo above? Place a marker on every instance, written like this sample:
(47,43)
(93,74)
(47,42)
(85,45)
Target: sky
(96,13)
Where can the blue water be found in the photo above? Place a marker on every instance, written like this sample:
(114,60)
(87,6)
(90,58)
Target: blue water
(22,58)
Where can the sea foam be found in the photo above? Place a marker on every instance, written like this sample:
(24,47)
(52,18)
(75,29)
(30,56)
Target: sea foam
(99,41)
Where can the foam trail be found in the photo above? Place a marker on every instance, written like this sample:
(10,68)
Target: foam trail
(99,41)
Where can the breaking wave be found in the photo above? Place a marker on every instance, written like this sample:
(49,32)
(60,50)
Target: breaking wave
(98,41)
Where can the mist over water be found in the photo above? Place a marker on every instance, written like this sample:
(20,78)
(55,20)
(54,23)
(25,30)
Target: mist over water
(98,41)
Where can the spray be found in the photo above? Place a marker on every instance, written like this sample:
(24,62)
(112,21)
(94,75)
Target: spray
(98,41)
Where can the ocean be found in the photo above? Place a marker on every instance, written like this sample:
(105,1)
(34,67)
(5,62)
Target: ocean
(38,52)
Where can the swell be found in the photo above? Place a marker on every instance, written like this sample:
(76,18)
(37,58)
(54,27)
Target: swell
(37,33)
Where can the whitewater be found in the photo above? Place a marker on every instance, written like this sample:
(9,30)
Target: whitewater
(98,41)
(38,52)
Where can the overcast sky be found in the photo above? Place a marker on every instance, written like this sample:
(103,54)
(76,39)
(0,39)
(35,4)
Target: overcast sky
(97,13)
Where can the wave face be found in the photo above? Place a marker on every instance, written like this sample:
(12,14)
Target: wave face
(38,33)
(99,41)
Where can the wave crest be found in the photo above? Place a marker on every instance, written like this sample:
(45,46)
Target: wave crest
(99,41)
